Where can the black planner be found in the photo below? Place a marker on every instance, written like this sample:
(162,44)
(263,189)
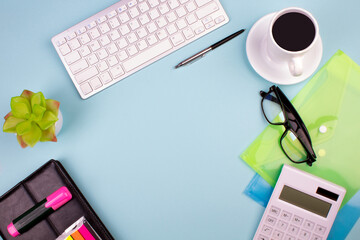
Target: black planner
(40,184)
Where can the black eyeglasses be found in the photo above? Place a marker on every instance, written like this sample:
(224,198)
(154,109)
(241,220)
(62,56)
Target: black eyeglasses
(295,141)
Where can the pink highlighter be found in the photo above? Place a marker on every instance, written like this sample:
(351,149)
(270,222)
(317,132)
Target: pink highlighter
(38,212)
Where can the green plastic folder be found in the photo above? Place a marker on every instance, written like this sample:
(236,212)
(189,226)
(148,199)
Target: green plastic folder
(330,100)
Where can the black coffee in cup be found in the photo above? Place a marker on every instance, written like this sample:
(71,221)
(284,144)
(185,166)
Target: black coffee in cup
(293,31)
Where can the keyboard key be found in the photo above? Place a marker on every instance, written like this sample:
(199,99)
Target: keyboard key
(72,57)
(288,237)
(181,12)
(94,45)
(282,225)
(124,29)
(114,35)
(191,18)
(151,27)
(95,83)
(60,41)
(266,230)
(104,40)
(270,220)
(112,61)
(122,43)
(153,3)
(293,230)
(274,211)
(132,3)
(84,51)
(111,14)
(177,39)
(78,66)
(74,44)
(102,54)
(309,225)
(219,19)
(171,29)
(102,66)
(117,71)
(132,50)
(134,12)
(152,39)
(262,237)
(86,89)
(141,45)
(161,22)
(91,25)
(84,38)
(278,235)
(304,234)
(320,229)
(173,4)
(94,33)
(101,19)
(142,32)
(105,78)
(297,220)
(131,38)
(112,48)
(316,237)
(171,17)
(70,36)
(143,7)
(124,17)
(188,33)
(144,19)
(87,74)
(161,34)
(286,216)
(122,55)
(92,59)
(64,49)
(212,7)
(122,8)
(114,22)
(181,24)
(134,24)
(190,6)
(164,8)
(147,55)
(104,28)
(201,3)
(154,14)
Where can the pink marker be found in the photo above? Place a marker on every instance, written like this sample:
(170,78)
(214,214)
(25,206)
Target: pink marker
(38,212)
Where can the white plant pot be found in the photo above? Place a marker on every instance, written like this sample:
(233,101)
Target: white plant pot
(59,123)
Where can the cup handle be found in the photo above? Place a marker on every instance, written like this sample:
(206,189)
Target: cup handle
(296,66)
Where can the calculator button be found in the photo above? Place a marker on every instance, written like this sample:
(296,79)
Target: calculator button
(270,220)
(288,237)
(316,237)
(266,230)
(282,225)
(309,225)
(320,229)
(293,230)
(278,235)
(261,237)
(274,211)
(297,220)
(304,234)
(286,215)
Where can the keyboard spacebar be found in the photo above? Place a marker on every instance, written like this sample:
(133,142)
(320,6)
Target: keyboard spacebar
(147,55)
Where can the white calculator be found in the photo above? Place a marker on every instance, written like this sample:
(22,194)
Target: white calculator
(302,206)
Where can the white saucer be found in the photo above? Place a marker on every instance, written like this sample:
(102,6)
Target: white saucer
(273,71)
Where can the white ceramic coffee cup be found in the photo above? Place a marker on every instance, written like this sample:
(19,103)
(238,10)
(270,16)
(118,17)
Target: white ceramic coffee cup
(294,59)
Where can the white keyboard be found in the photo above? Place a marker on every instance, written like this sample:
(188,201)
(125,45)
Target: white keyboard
(130,35)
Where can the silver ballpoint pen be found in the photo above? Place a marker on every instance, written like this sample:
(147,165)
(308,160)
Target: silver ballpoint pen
(206,50)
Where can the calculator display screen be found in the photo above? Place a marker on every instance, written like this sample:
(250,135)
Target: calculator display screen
(305,201)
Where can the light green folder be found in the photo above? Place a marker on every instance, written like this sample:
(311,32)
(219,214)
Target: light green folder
(330,100)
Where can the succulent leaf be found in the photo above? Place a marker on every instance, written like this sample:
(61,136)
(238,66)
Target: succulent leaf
(8,115)
(21,141)
(38,112)
(20,107)
(53,106)
(24,127)
(10,124)
(47,120)
(27,94)
(49,135)
(32,136)
(38,99)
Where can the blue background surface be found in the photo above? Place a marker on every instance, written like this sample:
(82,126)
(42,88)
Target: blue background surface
(156,154)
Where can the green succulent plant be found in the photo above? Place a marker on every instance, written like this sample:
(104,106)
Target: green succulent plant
(32,118)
